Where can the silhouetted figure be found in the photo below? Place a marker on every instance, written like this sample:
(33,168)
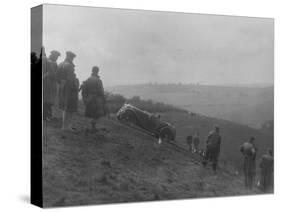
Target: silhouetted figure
(33,60)
(49,84)
(189,142)
(68,90)
(94,98)
(266,174)
(213,148)
(249,151)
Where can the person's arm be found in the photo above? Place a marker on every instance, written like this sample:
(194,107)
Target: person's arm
(101,89)
(219,146)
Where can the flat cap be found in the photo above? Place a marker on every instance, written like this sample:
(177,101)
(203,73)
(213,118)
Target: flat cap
(95,69)
(70,54)
(55,53)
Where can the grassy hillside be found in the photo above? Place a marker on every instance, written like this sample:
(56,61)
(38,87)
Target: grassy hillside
(245,105)
(120,164)
(186,123)
(233,135)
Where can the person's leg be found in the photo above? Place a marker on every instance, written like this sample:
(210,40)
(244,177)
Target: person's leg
(64,117)
(196,148)
(93,125)
(246,179)
(69,120)
(206,158)
(265,185)
(250,181)
(214,163)
(214,166)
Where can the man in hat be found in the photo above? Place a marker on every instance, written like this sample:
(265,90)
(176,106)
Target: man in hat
(49,83)
(68,90)
(266,166)
(213,148)
(249,152)
(94,98)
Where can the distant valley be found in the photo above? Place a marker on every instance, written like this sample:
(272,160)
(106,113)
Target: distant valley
(252,106)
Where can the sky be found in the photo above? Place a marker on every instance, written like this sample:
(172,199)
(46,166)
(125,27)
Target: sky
(137,46)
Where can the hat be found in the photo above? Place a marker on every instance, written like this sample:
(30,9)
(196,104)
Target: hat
(55,53)
(70,54)
(95,69)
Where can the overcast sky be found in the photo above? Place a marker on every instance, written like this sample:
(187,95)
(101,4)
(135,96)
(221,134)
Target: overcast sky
(134,46)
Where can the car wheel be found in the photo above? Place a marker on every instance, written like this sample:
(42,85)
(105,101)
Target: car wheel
(166,135)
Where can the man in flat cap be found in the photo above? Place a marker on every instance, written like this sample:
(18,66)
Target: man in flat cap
(249,152)
(213,148)
(94,98)
(68,90)
(49,84)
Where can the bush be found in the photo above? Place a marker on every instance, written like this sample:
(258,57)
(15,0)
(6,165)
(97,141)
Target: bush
(115,102)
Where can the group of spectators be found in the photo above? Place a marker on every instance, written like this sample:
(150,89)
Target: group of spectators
(61,87)
(249,153)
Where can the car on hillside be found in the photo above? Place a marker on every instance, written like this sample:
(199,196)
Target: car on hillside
(148,122)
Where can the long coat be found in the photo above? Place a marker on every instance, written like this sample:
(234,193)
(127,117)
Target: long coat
(93,97)
(249,152)
(68,87)
(213,146)
(266,166)
(49,81)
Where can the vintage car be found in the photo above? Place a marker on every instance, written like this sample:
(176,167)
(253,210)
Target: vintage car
(148,122)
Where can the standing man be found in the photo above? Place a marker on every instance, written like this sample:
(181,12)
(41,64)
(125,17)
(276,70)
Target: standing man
(196,142)
(94,98)
(68,90)
(49,84)
(213,148)
(266,167)
(189,142)
(249,151)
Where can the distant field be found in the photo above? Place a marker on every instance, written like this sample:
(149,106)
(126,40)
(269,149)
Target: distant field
(251,106)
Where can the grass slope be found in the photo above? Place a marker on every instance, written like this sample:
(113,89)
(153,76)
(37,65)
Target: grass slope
(119,164)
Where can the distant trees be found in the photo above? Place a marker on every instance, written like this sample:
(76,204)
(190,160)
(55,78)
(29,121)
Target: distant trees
(115,102)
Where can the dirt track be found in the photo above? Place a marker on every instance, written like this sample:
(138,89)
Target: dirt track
(122,165)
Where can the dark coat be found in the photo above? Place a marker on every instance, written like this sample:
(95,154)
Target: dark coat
(213,146)
(93,97)
(249,152)
(68,87)
(266,166)
(49,81)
